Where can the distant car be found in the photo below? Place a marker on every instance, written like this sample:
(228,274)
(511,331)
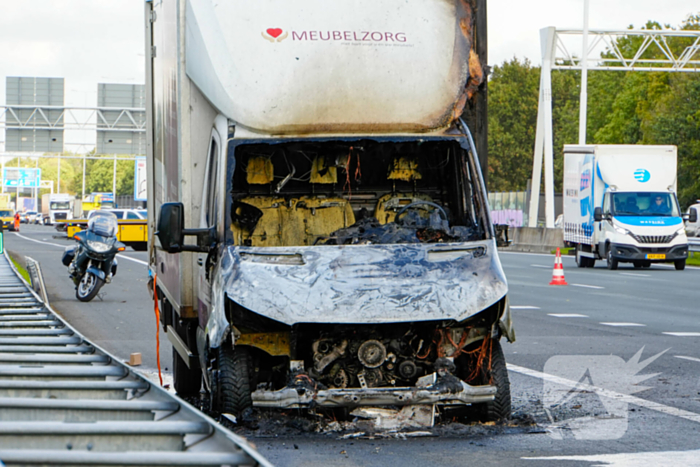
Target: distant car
(128,214)
(31,217)
(22,217)
(7,217)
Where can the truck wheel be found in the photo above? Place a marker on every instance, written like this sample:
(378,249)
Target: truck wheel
(679,264)
(495,373)
(637,264)
(612,262)
(231,391)
(187,381)
(583,261)
(499,408)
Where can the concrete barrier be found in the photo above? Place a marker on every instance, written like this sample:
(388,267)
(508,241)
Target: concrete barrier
(535,239)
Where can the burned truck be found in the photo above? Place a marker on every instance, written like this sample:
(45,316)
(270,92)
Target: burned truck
(320,228)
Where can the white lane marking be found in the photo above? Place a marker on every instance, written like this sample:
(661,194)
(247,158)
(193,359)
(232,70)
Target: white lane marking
(636,459)
(588,286)
(665,409)
(39,241)
(64,246)
(682,334)
(133,259)
(692,359)
(541,266)
(524,307)
(567,315)
(633,274)
(623,324)
(549,255)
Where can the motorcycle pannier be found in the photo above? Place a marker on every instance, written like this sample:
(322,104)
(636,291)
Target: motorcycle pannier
(68,256)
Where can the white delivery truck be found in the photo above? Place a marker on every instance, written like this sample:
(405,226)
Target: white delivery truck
(56,206)
(321,234)
(620,204)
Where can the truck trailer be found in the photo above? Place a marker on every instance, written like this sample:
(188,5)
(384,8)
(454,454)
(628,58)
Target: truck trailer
(321,234)
(620,205)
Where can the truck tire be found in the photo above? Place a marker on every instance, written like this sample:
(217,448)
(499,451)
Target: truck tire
(187,381)
(231,392)
(500,407)
(679,264)
(612,262)
(583,261)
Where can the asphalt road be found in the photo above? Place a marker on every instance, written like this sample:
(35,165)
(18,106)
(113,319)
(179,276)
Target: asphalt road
(588,331)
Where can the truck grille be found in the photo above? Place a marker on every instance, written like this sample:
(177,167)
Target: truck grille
(60,215)
(653,238)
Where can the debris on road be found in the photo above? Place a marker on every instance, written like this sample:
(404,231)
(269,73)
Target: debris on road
(410,416)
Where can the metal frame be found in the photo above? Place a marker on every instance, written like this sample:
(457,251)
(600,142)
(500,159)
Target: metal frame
(556,56)
(68,120)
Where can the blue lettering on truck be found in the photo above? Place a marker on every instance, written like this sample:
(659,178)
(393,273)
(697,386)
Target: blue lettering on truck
(649,221)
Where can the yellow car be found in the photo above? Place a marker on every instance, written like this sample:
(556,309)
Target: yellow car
(8,218)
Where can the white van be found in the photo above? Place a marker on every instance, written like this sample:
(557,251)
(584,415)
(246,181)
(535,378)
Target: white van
(620,204)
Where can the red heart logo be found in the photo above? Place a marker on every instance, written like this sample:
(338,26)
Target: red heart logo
(274,32)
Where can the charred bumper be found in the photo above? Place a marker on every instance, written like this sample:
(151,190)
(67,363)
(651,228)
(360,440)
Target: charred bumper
(290,397)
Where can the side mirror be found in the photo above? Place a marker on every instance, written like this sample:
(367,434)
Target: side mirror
(170,227)
(693,216)
(171,232)
(598,214)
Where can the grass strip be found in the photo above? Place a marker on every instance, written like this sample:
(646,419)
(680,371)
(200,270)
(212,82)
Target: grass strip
(23,272)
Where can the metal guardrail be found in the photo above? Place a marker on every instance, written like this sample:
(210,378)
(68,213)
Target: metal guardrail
(66,401)
(693,244)
(37,283)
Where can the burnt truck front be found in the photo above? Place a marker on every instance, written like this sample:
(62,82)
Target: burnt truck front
(353,271)
(363,271)
(343,253)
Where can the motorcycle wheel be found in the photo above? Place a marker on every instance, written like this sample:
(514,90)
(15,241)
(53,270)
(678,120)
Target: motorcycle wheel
(88,287)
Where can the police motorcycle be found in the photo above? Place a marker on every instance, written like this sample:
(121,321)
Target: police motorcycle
(93,262)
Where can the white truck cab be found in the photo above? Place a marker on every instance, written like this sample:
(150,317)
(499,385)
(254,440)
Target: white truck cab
(620,204)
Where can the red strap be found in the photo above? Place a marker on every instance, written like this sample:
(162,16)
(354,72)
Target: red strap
(157,310)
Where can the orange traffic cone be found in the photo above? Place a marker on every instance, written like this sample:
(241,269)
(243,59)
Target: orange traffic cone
(558,273)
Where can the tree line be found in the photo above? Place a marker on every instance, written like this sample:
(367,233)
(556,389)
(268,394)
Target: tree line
(623,108)
(98,174)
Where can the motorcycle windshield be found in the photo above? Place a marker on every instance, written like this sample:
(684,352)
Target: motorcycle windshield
(103,223)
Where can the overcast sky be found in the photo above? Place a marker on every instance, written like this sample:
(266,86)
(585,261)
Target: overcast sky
(91,41)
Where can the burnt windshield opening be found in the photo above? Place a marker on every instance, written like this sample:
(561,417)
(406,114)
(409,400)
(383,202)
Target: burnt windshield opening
(354,192)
